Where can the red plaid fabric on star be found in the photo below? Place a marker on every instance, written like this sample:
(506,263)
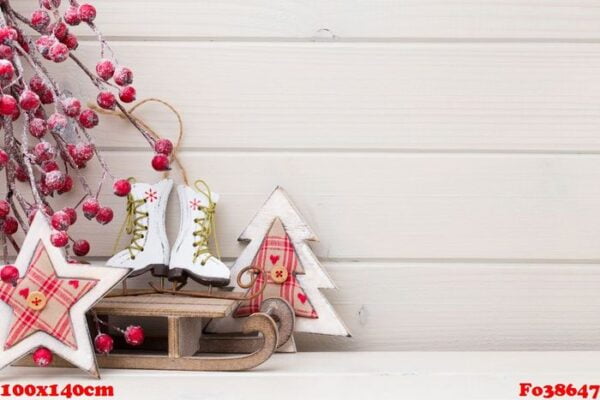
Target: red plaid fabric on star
(277,251)
(60,294)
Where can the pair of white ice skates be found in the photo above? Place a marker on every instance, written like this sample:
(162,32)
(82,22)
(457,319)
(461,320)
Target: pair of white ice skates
(149,249)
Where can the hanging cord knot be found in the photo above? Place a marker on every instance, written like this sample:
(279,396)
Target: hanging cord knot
(133,224)
(206,224)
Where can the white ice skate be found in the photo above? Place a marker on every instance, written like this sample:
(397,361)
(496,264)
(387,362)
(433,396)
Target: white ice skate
(149,246)
(190,256)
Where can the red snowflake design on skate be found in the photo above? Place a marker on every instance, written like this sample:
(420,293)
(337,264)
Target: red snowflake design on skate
(194,204)
(151,195)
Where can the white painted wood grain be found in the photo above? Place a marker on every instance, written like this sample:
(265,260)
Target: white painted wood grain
(390,96)
(387,205)
(383,375)
(346,19)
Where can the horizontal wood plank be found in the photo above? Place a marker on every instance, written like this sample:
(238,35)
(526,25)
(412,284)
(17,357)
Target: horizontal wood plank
(346,19)
(458,306)
(385,96)
(380,205)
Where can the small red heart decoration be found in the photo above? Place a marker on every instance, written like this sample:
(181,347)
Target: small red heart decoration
(24,293)
(274,258)
(75,284)
(302,297)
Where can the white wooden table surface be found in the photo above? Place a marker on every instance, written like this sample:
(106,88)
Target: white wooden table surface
(350,375)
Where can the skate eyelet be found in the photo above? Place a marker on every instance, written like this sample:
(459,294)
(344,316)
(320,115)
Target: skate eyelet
(195,245)
(203,263)
(133,257)
(145,200)
(141,237)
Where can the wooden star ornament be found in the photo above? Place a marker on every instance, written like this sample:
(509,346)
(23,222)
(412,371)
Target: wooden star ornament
(47,306)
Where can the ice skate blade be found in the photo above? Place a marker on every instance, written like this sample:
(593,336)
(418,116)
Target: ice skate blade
(181,275)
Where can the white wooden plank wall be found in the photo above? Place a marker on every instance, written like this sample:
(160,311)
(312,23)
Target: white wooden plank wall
(446,152)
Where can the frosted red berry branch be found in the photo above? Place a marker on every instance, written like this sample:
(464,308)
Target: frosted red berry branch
(50,137)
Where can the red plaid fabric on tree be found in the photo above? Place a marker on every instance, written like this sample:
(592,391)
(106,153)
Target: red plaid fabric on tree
(278,259)
(41,301)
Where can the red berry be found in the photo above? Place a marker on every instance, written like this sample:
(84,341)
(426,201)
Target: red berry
(90,208)
(8,105)
(86,12)
(134,335)
(105,215)
(6,52)
(122,187)
(123,76)
(43,44)
(105,69)
(40,19)
(160,162)
(71,213)
(9,274)
(29,100)
(88,119)
(71,106)
(127,94)
(81,248)
(49,166)
(59,30)
(20,173)
(47,97)
(54,180)
(42,357)
(67,186)
(58,52)
(60,220)
(38,127)
(103,343)
(106,100)
(10,225)
(7,34)
(50,4)
(71,16)
(57,123)
(4,208)
(59,238)
(7,70)
(84,152)
(43,151)
(71,41)
(37,84)
(163,146)
(4,158)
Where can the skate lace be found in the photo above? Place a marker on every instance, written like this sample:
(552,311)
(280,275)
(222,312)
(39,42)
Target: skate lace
(206,224)
(134,226)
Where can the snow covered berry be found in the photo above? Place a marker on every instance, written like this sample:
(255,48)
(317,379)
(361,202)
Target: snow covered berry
(105,215)
(9,274)
(67,186)
(59,30)
(122,187)
(57,123)
(40,19)
(106,100)
(4,208)
(71,16)
(42,357)
(105,69)
(134,335)
(59,238)
(71,106)
(49,166)
(123,76)
(103,343)
(8,34)
(160,162)
(10,225)
(43,44)
(50,4)
(6,52)
(163,146)
(127,94)
(43,151)
(60,221)
(90,208)
(46,97)
(58,52)
(20,173)
(70,41)
(8,105)
(88,118)
(7,70)
(4,158)
(86,12)
(54,180)
(71,213)
(37,84)
(81,247)
(29,100)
